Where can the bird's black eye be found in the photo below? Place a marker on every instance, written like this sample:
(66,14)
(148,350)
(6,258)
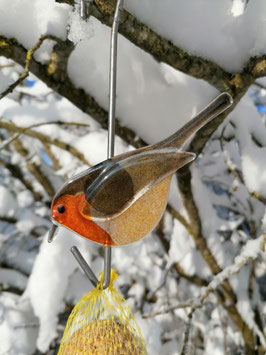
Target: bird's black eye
(61,209)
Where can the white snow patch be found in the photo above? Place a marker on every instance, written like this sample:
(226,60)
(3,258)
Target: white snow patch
(8,204)
(32,19)
(25,198)
(49,281)
(18,326)
(153,99)
(78,29)
(207,29)
(13,278)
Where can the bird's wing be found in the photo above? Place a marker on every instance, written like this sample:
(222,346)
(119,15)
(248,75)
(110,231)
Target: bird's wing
(118,186)
(75,185)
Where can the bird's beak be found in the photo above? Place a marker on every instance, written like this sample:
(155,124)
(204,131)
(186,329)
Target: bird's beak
(52,232)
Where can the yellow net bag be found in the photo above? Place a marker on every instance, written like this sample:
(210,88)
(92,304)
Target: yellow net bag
(102,323)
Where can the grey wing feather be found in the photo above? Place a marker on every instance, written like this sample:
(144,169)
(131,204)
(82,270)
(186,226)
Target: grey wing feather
(116,188)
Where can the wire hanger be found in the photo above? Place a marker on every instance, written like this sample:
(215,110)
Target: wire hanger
(111,139)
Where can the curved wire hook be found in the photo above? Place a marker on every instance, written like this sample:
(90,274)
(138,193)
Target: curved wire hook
(111,139)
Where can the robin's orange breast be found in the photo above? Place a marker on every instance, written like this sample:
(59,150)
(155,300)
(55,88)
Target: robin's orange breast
(74,220)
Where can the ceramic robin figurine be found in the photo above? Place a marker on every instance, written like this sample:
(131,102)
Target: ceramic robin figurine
(120,200)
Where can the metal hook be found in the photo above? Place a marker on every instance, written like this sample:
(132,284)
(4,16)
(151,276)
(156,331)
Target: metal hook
(111,139)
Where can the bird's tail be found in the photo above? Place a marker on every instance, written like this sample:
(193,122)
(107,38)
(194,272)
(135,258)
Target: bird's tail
(217,106)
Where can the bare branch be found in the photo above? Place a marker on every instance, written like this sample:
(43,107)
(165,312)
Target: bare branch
(50,154)
(185,348)
(59,123)
(195,279)
(10,220)
(17,173)
(180,218)
(11,127)
(25,73)
(34,169)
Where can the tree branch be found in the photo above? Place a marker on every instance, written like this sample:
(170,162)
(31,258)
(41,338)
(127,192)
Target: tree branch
(56,77)
(249,252)
(34,169)
(11,127)
(59,123)
(25,73)
(184,184)
(17,173)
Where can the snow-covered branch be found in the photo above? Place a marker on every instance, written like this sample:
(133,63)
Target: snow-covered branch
(250,252)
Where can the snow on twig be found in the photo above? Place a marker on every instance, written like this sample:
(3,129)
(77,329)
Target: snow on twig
(250,251)
(185,347)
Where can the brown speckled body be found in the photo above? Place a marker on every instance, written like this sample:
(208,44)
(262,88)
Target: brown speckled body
(140,218)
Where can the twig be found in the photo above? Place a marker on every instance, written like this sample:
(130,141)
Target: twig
(50,154)
(60,123)
(192,303)
(27,325)
(11,220)
(17,173)
(180,218)
(195,279)
(29,55)
(34,169)
(10,65)
(224,324)
(185,347)
(44,138)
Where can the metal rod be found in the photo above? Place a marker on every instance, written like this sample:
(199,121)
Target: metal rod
(84,265)
(52,232)
(83,12)
(112,80)
(111,139)
(111,119)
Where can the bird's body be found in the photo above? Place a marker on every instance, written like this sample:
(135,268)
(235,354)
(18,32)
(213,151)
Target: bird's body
(120,200)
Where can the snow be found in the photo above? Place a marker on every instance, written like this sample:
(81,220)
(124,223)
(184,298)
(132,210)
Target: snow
(264,221)
(8,205)
(25,199)
(254,176)
(238,7)
(94,146)
(217,37)
(250,128)
(146,90)
(183,251)
(16,339)
(208,29)
(32,20)
(13,278)
(48,282)
(78,29)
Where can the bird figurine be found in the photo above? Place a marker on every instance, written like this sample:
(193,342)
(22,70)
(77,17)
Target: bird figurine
(120,200)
